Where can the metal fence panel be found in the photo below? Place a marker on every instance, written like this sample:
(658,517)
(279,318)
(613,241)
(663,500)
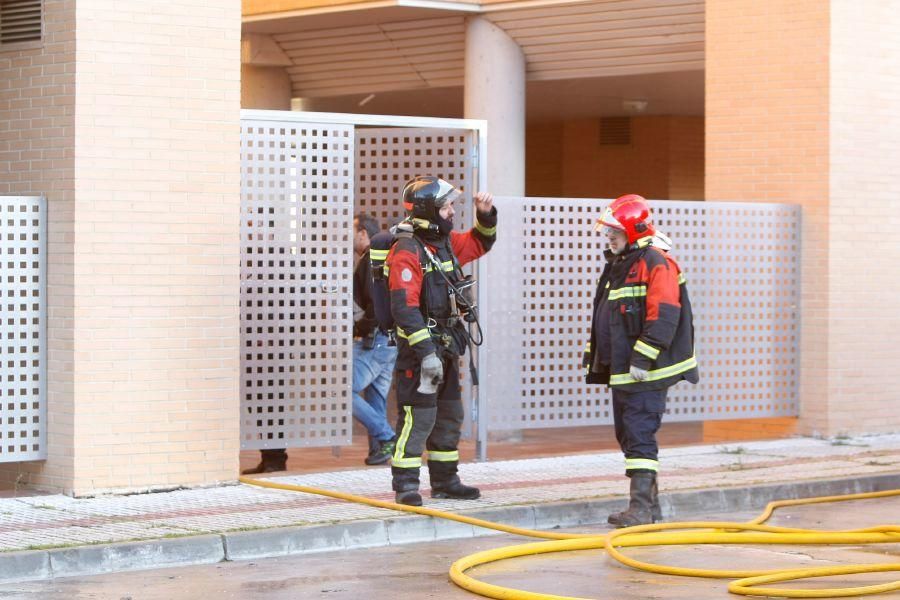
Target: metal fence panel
(742,262)
(296,266)
(23,328)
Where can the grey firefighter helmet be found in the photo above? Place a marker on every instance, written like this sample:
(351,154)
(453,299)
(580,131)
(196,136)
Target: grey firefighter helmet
(425,195)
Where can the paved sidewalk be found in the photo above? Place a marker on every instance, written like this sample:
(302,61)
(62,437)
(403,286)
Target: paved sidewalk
(69,536)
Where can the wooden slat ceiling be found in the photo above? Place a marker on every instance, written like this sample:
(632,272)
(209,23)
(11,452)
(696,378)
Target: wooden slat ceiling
(587,39)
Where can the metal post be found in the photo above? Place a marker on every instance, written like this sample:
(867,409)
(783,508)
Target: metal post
(479,404)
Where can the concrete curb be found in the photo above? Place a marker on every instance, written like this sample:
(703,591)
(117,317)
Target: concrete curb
(212,548)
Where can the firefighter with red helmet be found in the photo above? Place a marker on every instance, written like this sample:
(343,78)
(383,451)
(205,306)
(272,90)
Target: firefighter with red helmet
(642,343)
(431,303)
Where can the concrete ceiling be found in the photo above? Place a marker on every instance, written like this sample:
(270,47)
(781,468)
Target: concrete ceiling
(674,93)
(348,51)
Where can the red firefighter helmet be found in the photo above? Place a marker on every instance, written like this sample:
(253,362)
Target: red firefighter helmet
(629,213)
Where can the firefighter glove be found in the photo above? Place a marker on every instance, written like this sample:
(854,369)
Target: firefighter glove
(432,374)
(639,374)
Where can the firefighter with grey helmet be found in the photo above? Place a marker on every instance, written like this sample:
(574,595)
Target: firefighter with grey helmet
(433,312)
(641,343)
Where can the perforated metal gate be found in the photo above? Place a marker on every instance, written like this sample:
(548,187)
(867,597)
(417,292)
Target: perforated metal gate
(742,262)
(296,257)
(23,328)
(389,157)
(303,175)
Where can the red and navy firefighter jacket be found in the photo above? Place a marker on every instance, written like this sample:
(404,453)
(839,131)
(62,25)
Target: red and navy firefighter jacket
(643,293)
(419,293)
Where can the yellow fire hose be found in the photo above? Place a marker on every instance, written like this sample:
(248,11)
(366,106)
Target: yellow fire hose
(665,534)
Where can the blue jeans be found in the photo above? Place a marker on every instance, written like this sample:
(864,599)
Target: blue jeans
(372,372)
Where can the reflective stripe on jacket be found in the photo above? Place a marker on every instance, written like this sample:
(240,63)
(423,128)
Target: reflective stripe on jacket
(651,325)
(419,292)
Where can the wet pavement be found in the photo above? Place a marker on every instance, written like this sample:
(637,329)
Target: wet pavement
(418,571)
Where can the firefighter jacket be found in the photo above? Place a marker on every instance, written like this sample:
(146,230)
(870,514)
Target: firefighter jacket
(643,294)
(420,298)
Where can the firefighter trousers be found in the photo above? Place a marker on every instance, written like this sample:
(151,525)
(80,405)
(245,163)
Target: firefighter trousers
(430,422)
(638,416)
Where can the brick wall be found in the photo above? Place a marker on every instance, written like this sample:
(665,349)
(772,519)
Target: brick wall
(37,118)
(686,158)
(156,243)
(543,164)
(767,140)
(863,285)
(663,161)
(767,428)
(147,395)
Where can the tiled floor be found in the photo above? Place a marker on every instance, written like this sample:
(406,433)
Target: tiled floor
(534,443)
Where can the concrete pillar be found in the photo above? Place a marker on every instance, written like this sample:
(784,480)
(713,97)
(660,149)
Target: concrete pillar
(267,88)
(495,91)
(265,84)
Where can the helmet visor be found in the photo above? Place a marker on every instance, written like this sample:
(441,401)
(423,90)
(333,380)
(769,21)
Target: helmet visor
(447,194)
(607,221)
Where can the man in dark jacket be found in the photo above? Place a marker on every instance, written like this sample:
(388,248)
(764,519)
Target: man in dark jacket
(373,354)
(642,343)
(430,307)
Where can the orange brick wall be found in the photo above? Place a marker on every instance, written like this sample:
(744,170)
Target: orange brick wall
(686,158)
(863,284)
(37,117)
(767,140)
(592,170)
(749,429)
(543,166)
(664,160)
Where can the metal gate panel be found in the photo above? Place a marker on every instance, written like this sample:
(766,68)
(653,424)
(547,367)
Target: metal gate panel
(23,328)
(742,265)
(389,157)
(296,266)
(386,158)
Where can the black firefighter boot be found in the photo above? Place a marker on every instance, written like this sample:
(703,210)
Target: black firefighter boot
(445,482)
(640,508)
(270,461)
(406,486)
(655,508)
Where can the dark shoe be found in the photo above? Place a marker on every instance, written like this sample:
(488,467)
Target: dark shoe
(374,445)
(381,454)
(409,498)
(272,461)
(639,510)
(455,490)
